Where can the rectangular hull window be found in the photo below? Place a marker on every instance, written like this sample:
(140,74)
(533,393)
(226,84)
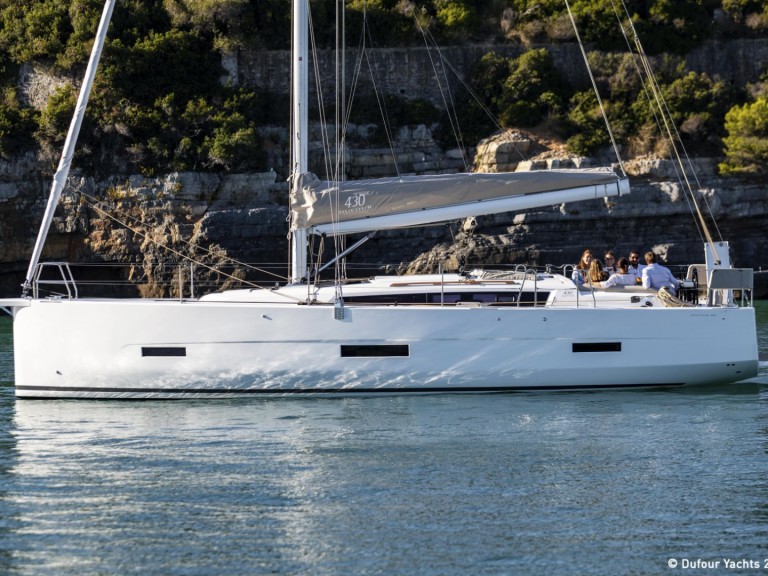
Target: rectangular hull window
(163,351)
(374,350)
(597,347)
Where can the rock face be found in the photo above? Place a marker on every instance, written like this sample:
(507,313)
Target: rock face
(408,72)
(657,215)
(212,219)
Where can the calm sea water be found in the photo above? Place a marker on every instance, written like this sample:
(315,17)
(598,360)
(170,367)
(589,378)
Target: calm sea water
(566,483)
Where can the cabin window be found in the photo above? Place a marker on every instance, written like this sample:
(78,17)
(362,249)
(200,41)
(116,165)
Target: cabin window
(163,351)
(374,350)
(449,298)
(597,346)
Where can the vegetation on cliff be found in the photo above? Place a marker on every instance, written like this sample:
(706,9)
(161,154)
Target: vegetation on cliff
(162,101)
(529,92)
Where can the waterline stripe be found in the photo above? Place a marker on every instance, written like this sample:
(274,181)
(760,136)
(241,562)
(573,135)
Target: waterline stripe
(279,391)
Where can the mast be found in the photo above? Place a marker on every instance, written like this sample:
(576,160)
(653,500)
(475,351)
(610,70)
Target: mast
(60,178)
(299,127)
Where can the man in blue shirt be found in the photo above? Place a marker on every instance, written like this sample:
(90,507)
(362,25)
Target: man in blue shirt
(658,276)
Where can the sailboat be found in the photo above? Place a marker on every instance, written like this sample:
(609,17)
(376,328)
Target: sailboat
(478,331)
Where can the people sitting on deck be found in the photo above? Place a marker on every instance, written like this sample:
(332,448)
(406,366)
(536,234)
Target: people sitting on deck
(596,273)
(621,277)
(635,267)
(581,270)
(609,262)
(657,276)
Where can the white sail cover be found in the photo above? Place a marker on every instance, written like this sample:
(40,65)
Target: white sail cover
(384,203)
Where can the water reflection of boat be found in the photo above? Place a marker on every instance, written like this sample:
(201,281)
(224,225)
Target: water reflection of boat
(468,332)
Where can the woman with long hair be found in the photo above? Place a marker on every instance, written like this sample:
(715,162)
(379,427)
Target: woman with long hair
(581,271)
(596,272)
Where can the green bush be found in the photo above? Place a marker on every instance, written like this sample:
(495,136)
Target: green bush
(697,105)
(234,143)
(32,30)
(675,26)
(167,62)
(390,26)
(158,100)
(194,135)
(586,124)
(533,89)
(17,125)
(55,118)
(473,120)
(739,9)
(746,145)
(457,18)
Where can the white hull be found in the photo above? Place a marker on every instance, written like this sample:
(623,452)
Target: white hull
(133,348)
(455,333)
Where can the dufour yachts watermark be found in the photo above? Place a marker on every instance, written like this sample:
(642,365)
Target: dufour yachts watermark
(718,563)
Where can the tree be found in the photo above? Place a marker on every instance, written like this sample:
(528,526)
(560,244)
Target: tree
(746,145)
(696,105)
(33,30)
(55,119)
(738,9)
(457,18)
(586,123)
(532,89)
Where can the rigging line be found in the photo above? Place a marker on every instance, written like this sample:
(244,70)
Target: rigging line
(449,108)
(659,98)
(674,127)
(341,82)
(467,87)
(292,155)
(339,114)
(477,99)
(655,112)
(94,202)
(460,138)
(356,71)
(172,250)
(594,86)
(656,90)
(331,166)
(689,163)
(185,257)
(326,145)
(695,177)
(381,101)
(319,254)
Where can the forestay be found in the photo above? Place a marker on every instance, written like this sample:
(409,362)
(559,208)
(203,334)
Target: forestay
(364,205)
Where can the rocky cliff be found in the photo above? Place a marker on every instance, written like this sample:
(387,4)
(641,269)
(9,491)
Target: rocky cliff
(212,219)
(410,72)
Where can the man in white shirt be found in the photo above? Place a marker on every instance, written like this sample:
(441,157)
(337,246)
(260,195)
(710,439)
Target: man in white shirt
(621,277)
(658,276)
(635,268)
